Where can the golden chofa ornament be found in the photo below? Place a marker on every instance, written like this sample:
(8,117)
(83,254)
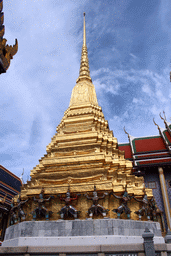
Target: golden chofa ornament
(6,52)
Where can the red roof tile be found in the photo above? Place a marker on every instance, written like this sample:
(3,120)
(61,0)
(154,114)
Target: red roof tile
(127,149)
(148,144)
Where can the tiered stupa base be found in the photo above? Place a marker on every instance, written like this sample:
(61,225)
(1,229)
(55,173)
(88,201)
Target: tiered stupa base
(80,232)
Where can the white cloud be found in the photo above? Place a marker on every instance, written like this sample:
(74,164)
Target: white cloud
(155,110)
(133,56)
(135,100)
(146,89)
(160,96)
(112,88)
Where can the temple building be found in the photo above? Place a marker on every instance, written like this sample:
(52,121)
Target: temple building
(10,186)
(151,158)
(6,52)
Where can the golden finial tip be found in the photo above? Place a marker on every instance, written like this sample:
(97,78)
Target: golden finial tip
(84,67)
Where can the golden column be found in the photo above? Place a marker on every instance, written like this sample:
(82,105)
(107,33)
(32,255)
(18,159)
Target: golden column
(165,196)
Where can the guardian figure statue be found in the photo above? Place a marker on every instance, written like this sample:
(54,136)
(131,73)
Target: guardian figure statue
(96,208)
(68,209)
(41,210)
(123,206)
(145,209)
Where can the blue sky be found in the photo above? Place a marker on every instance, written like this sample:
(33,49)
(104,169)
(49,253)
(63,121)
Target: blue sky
(129,56)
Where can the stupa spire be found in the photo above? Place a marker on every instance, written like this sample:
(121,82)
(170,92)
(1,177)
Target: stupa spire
(84,31)
(84,66)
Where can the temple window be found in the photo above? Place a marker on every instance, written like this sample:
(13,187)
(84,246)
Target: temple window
(152,185)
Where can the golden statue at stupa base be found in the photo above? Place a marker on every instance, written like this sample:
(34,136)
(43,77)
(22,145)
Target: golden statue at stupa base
(84,155)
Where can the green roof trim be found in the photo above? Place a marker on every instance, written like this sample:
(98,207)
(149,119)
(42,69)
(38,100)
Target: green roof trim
(123,144)
(150,137)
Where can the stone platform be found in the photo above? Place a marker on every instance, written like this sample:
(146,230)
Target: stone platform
(83,232)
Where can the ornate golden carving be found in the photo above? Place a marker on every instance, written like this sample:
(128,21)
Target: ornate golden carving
(2,200)
(6,52)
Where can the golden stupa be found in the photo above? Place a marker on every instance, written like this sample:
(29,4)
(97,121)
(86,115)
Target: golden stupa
(83,153)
